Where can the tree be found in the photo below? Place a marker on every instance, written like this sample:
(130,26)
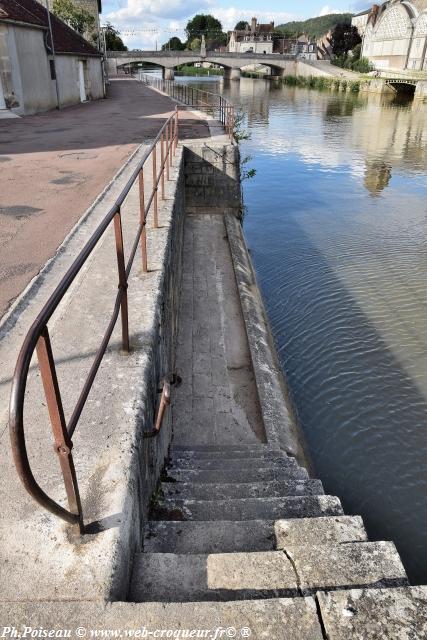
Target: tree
(78,19)
(195,44)
(242,25)
(174,44)
(208,26)
(344,38)
(315,27)
(113,40)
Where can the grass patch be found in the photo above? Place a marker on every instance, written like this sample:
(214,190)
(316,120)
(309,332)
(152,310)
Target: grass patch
(189,70)
(322,83)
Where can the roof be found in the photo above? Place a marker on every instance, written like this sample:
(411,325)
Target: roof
(362,13)
(31,12)
(265,28)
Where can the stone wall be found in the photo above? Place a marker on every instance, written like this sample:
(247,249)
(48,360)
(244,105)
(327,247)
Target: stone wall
(212,178)
(91,6)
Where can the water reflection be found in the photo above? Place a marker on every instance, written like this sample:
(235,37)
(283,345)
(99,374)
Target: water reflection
(336,224)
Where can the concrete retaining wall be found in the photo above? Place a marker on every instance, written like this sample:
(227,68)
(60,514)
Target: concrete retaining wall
(117,468)
(276,407)
(212,178)
(212,185)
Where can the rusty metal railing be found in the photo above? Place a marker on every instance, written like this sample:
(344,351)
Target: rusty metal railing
(37,338)
(212,103)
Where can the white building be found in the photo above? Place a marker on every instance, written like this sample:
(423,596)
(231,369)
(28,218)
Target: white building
(360,21)
(29,76)
(395,37)
(258,38)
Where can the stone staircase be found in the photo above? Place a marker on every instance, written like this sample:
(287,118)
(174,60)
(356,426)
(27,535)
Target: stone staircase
(240,535)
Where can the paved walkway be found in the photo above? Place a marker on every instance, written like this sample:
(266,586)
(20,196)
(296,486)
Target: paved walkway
(54,165)
(217,402)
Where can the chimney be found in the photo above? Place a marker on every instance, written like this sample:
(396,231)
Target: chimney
(253,25)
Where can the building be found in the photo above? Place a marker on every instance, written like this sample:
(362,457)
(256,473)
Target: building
(256,38)
(305,49)
(94,7)
(395,36)
(31,80)
(324,47)
(360,21)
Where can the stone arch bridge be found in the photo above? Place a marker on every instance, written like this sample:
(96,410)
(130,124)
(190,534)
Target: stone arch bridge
(233,63)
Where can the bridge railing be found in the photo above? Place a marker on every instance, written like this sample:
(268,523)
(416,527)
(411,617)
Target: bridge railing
(215,105)
(157,161)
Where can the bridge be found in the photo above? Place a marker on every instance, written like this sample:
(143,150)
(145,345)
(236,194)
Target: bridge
(399,83)
(232,63)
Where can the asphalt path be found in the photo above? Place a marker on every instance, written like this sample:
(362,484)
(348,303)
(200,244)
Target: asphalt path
(54,165)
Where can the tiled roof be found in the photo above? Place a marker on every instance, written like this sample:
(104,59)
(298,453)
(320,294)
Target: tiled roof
(31,12)
(265,28)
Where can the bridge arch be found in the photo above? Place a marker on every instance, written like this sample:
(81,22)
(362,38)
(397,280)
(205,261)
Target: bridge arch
(170,60)
(402,86)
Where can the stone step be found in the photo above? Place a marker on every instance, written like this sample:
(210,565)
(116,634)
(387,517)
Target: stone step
(262,454)
(278,462)
(224,536)
(169,577)
(280,619)
(375,614)
(361,564)
(251,474)
(215,491)
(248,508)
(223,448)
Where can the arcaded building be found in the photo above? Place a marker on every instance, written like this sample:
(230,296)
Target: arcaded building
(395,35)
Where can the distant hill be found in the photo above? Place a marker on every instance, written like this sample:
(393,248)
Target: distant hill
(315,27)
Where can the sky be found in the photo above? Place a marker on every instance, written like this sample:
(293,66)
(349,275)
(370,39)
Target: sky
(147,24)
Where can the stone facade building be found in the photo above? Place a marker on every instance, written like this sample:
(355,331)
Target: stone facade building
(31,78)
(94,7)
(258,38)
(360,20)
(395,35)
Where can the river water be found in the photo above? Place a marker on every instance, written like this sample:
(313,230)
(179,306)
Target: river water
(336,222)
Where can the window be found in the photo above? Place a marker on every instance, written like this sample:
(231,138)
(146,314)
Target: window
(52,69)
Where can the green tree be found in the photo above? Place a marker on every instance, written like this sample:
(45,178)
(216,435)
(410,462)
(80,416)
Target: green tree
(357,52)
(344,38)
(241,25)
(173,44)
(78,19)
(113,40)
(208,26)
(314,27)
(195,44)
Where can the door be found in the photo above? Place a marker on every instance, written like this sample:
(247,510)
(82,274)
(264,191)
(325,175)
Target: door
(82,81)
(2,102)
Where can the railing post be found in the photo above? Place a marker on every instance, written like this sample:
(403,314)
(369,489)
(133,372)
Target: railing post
(142,221)
(63,443)
(170,142)
(162,159)
(176,121)
(155,211)
(123,285)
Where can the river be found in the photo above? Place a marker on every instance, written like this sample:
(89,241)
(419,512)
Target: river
(336,222)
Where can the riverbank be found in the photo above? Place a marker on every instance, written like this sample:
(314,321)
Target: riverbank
(211,515)
(342,274)
(190,70)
